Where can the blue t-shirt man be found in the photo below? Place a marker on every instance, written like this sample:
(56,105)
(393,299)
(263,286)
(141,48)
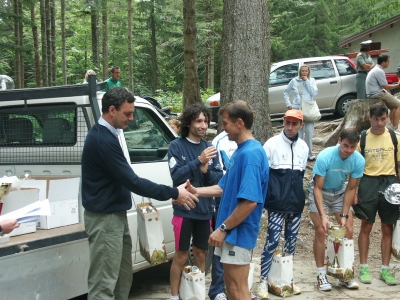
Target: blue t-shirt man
(247,167)
(335,170)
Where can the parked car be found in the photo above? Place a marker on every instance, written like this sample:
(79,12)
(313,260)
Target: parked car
(335,77)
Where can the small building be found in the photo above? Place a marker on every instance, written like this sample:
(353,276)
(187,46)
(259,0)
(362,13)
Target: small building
(385,35)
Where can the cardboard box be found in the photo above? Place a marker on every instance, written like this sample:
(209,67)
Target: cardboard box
(18,199)
(64,212)
(24,228)
(63,197)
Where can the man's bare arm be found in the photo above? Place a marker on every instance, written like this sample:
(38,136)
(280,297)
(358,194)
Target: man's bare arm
(319,201)
(348,197)
(206,192)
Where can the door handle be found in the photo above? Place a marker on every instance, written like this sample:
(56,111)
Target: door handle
(333,82)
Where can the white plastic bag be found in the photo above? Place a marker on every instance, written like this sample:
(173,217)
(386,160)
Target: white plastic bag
(345,257)
(396,240)
(192,285)
(280,277)
(150,234)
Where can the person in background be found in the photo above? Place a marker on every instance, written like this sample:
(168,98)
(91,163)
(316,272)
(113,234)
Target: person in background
(328,191)
(303,86)
(287,157)
(380,172)
(6,226)
(107,182)
(242,190)
(88,72)
(364,65)
(191,157)
(225,149)
(378,87)
(176,125)
(113,81)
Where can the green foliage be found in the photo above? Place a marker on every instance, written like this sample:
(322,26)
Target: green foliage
(298,29)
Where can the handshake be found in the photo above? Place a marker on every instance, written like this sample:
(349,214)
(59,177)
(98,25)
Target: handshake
(187,196)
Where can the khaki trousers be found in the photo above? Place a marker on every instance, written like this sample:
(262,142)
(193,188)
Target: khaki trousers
(110,246)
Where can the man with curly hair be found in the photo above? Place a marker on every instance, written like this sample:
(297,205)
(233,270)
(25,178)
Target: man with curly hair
(191,157)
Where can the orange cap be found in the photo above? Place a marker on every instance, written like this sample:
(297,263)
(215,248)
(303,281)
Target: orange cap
(294,113)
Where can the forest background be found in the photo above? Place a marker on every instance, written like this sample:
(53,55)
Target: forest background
(54,42)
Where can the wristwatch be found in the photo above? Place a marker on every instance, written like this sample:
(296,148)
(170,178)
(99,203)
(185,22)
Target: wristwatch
(343,215)
(223,228)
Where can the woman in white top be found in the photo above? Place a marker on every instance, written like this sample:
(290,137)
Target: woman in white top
(303,84)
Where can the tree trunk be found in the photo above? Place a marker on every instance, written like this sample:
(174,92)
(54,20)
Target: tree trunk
(210,47)
(53,43)
(154,69)
(105,37)
(356,117)
(45,73)
(36,45)
(191,85)
(48,40)
(17,42)
(211,62)
(94,21)
(130,50)
(245,60)
(63,44)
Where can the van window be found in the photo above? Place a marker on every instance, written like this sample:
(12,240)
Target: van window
(344,67)
(147,137)
(283,74)
(45,134)
(321,69)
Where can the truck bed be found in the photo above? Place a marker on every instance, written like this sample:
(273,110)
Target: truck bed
(48,264)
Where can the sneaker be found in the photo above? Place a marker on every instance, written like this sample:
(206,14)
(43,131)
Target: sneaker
(311,158)
(387,277)
(221,296)
(364,276)
(262,292)
(351,284)
(296,290)
(323,284)
(253,297)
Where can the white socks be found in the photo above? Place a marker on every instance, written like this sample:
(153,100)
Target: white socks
(321,271)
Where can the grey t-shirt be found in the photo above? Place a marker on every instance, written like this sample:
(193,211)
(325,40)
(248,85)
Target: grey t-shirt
(363,58)
(375,81)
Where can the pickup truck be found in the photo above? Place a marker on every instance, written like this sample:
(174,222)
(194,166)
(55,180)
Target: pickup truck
(42,133)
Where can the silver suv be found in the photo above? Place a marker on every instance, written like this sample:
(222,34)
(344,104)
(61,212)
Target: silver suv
(335,77)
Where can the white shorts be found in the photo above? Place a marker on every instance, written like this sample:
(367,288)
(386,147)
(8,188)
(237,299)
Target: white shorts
(233,255)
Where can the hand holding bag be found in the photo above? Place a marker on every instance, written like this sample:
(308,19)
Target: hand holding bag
(310,110)
(192,285)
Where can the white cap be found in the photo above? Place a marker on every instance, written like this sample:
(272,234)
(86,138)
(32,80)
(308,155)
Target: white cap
(366,43)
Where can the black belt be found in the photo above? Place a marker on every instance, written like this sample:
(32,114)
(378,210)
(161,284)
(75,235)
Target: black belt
(363,72)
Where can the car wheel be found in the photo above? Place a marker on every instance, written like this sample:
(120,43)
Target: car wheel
(209,255)
(342,106)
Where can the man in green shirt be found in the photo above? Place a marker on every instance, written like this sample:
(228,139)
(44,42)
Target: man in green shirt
(113,81)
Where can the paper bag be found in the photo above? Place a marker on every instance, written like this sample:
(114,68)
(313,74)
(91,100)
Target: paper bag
(280,277)
(192,285)
(150,233)
(396,240)
(251,275)
(343,268)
